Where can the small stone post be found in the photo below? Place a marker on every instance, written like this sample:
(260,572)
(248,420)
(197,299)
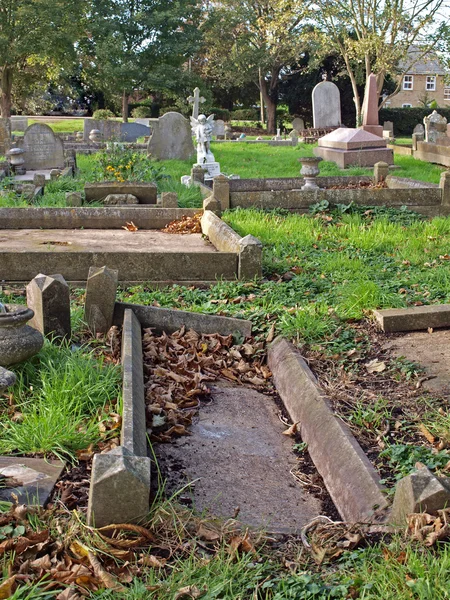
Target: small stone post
(74,199)
(39,180)
(444,184)
(198,174)
(250,258)
(169,200)
(416,138)
(211,203)
(221,191)
(101,289)
(380,172)
(120,488)
(48,296)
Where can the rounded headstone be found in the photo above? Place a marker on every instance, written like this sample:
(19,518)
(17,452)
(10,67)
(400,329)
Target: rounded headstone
(326,100)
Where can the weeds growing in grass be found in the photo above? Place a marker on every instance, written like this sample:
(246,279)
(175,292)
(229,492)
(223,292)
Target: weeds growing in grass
(57,403)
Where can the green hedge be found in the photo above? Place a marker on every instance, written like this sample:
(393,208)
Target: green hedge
(220,113)
(405,119)
(245,114)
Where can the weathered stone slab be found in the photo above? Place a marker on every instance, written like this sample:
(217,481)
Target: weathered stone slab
(170,320)
(30,479)
(120,199)
(134,429)
(7,379)
(326,101)
(250,258)
(130,132)
(350,478)
(101,289)
(109,129)
(87,217)
(19,123)
(171,137)
(413,318)
(48,296)
(120,488)
(421,491)
(144,192)
(43,149)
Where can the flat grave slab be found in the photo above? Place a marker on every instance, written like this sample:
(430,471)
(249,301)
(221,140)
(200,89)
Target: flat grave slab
(238,457)
(429,350)
(30,174)
(413,318)
(30,479)
(144,255)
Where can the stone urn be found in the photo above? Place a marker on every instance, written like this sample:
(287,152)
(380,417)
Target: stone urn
(16,160)
(18,341)
(95,135)
(309,171)
(79,136)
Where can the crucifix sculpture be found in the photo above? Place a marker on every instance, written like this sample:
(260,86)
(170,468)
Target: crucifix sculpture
(196,99)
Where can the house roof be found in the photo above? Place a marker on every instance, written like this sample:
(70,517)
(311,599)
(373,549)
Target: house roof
(429,64)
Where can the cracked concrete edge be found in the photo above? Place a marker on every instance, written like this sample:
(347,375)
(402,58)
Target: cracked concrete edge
(134,429)
(170,320)
(351,480)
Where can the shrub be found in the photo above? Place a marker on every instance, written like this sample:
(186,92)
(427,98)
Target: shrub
(245,114)
(102,114)
(141,112)
(405,119)
(220,113)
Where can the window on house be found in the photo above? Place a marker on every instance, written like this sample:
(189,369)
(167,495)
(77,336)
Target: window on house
(447,93)
(406,105)
(388,103)
(431,83)
(408,82)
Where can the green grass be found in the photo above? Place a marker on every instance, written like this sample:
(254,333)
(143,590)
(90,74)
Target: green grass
(59,398)
(61,125)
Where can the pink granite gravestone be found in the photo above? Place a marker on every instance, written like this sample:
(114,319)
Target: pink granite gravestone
(370,107)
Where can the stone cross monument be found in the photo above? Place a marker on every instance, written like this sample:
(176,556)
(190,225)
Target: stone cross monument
(195,100)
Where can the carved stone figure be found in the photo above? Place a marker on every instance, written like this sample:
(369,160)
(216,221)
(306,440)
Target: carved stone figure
(202,128)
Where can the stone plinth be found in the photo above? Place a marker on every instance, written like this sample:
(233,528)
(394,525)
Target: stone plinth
(346,147)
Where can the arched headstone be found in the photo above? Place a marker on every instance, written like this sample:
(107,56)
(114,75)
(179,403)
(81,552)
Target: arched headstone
(171,137)
(326,101)
(43,150)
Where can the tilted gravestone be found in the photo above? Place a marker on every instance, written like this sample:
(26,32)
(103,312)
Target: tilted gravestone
(326,101)
(43,150)
(130,132)
(101,288)
(298,124)
(435,127)
(5,135)
(49,298)
(419,128)
(171,137)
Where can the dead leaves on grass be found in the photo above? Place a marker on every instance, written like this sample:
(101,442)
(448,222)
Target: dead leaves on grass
(179,368)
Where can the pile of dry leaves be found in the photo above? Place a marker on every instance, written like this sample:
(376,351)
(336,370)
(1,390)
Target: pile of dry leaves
(429,529)
(55,551)
(179,367)
(185,225)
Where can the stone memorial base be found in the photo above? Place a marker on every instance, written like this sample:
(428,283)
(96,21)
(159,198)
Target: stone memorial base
(354,147)
(212,168)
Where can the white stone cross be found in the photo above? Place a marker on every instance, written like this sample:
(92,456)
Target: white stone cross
(196,99)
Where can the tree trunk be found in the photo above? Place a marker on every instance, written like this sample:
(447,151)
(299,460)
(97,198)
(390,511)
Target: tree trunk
(270,99)
(125,106)
(6,83)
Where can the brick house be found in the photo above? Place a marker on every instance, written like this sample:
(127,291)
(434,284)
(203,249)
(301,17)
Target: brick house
(424,80)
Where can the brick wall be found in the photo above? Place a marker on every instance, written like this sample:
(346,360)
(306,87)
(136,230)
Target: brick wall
(419,90)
